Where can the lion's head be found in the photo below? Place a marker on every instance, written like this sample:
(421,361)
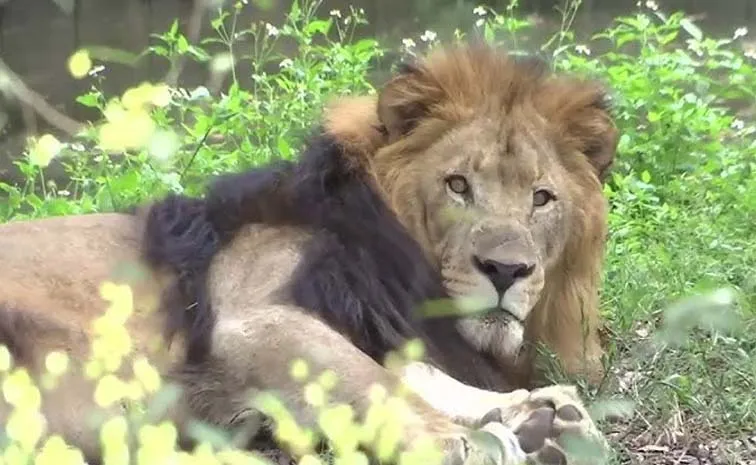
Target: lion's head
(495,166)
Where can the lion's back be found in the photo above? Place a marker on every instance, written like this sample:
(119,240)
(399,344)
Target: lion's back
(51,273)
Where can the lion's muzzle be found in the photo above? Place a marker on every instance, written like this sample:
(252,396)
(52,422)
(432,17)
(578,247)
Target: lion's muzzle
(503,275)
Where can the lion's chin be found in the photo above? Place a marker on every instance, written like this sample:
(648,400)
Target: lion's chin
(512,341)
(498,332)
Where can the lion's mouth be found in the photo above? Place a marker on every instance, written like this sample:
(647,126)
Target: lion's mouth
(510,315)
(501,314)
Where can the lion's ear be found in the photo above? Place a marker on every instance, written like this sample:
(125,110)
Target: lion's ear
(594,130)
(598,134)
(584,114)
(406,99)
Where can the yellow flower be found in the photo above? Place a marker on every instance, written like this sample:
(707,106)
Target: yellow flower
(56,362)
(132,132)
(425,451)
(6,360)
(314,395)
(337,424)
(310,459)
(203,455)
(79,64)
(161,95)
(147,375)
(299,369)
(20,391)
(136,98)
(109,390)
(55,451)
(328,379)
(44,150)
(113,440)
(414,349)
(119,296)
(352,458)
(25,427)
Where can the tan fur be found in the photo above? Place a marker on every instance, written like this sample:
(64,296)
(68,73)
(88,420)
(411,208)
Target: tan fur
(472,84)
(509,125)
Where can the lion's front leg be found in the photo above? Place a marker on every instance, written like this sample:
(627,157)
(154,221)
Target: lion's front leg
(543,420)
(256,354)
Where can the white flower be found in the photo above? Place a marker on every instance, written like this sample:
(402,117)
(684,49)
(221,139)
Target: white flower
(583,49)
(652,5)
(96,70)
(479,22)
(740,32)
(199,92)
(428,36)
(480,11)
(408,43)
(737,124)
(335,13)
(285,63)
(694,47)
(271,29)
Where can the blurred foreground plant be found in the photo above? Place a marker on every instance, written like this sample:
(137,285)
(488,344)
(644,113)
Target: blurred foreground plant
(133,437)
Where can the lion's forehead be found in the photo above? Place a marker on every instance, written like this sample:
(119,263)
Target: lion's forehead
(512,153)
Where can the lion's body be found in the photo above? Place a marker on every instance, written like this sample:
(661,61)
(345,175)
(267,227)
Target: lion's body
(328,258)
(53,269)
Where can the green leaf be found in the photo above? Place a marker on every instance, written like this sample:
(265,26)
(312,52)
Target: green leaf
(34,201)
(691,28)
(646,176)
(364,44)
(464,306)
(174,28)
(295,11)
(488,33)
(159,50)
(318,26)
(284,149)
(182,44)
(263,4)
(126,183)
(165,399)
(113,55)
(205,432)
(90,99)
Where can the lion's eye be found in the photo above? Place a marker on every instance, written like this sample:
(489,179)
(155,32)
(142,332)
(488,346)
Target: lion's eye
(457,184)
(541,197)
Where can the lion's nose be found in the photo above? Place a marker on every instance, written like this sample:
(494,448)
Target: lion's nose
(503,274)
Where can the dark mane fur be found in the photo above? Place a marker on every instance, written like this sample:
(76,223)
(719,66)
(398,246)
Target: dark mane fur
(362,272)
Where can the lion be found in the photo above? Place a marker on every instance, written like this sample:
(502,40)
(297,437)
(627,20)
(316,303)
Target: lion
(471,177)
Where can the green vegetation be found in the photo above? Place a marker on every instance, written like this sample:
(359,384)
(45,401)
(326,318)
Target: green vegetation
(683,191)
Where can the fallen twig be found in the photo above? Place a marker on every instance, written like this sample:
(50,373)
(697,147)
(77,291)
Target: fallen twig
(36,102)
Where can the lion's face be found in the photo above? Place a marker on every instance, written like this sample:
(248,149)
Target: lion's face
(497,205)
(495,167)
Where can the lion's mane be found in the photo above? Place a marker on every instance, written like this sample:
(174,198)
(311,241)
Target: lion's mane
(363,272)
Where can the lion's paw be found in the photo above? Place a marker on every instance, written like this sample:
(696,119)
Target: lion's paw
(492,444)
(552,426)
